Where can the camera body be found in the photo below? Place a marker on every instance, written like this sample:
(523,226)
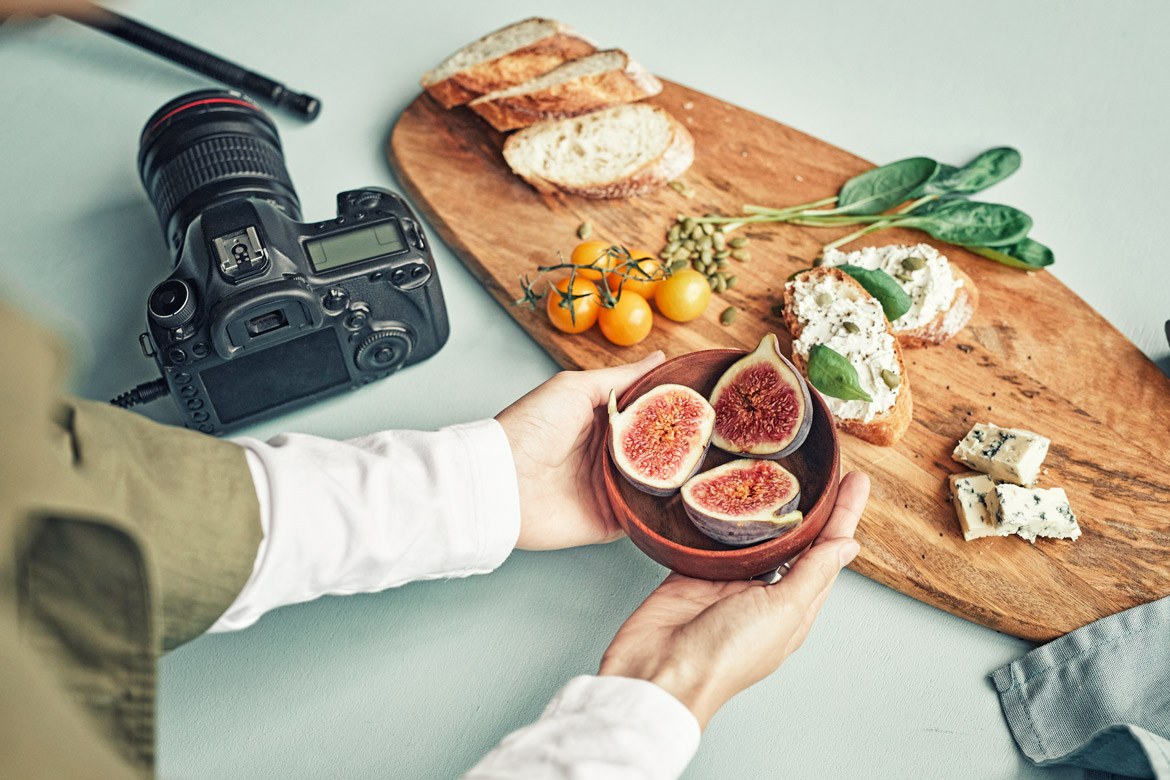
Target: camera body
(264,313)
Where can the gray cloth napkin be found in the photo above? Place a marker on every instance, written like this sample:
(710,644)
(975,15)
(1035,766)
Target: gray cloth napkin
(1098,697)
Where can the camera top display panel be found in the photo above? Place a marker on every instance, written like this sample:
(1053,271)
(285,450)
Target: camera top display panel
(354,246)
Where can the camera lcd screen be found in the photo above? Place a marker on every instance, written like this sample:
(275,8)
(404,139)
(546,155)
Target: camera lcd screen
(354,246)
(274,376)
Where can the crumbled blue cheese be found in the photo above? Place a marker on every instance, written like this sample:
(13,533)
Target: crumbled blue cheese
(931,288)
(1033,513)
(867,344)
(971,493)
(1004,454)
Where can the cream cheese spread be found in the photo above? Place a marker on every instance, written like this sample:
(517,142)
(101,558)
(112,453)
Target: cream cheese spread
(867,345)
(931,288)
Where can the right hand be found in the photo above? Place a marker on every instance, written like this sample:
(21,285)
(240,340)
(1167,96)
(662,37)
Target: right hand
(703,642)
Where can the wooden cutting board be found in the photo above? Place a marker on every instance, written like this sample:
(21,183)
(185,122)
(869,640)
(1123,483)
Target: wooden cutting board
(1034,356)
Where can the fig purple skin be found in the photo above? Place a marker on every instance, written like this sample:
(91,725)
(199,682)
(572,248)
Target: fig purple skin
(762,405)
(743,502)
(660,440)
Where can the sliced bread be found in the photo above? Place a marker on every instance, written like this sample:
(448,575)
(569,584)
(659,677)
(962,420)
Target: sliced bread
(579,86)
(616,152)
(944,298)
(504,58)
(817,306)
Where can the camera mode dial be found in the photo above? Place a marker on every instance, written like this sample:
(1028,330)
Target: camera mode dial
(384,350)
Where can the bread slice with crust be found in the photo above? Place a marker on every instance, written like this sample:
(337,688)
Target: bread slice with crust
(504,58)
(944,298)
(577,87)
(616,152)
(813,318)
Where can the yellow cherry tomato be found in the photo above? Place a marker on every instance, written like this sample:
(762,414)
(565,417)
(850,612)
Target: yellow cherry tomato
(683,296)
(592,253)
(628,322)
(582,314)
(643,280)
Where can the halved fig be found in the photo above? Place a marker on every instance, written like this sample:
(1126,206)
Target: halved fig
(659,441)
(762,406)
(744,501)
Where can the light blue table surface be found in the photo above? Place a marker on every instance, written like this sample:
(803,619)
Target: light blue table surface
(421,681)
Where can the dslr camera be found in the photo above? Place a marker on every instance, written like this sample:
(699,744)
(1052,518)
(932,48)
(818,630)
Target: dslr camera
(264,313)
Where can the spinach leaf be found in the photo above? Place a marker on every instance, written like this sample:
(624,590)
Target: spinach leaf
(1027,254)
(989,168)
(883,188)
(894,300)
(831,372)
(971,223)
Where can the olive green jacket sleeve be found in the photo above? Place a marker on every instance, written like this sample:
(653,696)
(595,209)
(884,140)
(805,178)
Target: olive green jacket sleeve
(119,537)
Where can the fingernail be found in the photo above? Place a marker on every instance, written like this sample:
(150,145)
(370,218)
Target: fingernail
(655,354)
(849,552)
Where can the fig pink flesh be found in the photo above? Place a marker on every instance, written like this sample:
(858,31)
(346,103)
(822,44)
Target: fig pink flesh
(758,406)
(743,491)
(663,432)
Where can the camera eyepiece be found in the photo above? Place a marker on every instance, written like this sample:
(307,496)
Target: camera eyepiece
(207,147)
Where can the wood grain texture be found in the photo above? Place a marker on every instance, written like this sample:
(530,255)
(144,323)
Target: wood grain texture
(1034,356)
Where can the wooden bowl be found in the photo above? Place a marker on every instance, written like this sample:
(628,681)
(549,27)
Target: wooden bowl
(660,526)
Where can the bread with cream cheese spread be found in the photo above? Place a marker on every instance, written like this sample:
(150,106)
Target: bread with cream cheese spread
(817,305)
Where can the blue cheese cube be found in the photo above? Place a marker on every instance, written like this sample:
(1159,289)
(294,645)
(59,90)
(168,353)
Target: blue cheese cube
(1004,454)
(972,493)
(1034,513)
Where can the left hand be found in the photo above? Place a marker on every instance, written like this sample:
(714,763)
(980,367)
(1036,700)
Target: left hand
(557,434)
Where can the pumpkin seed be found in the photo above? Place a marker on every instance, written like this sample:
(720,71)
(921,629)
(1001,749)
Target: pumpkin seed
(673,233)
(722,262)
(719,240)
(905,277)
(708,228)
(704,241)
(728,315)
(697,232)
(823,299)
(914,263)
(673,245)
(681,254)
(731,280)
(678,265)
(722,253)
(689,244)
(711,281)
(850,327)
(738,241)
(688,224)
(664,255)
(707,255)
(742,255)
(720,284)
(891,379)
(583,230)
(698,265)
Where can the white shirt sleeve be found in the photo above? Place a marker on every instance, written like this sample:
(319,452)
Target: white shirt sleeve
(599,728)
(376,512)
(372,513)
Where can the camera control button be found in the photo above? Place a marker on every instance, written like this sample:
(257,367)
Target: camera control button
(200,350)
(399,276)
(355,320)
(207,427)
(199,416)
(189,391)
(194,403)
(177,355)
(336,299)
(182,378)
(418,272)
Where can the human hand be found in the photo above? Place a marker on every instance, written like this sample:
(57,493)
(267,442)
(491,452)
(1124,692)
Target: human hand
(703,642)
(557,433)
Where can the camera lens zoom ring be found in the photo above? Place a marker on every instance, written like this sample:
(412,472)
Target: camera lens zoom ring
(213,159)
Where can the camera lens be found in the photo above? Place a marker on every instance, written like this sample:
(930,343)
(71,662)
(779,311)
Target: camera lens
(208,147)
